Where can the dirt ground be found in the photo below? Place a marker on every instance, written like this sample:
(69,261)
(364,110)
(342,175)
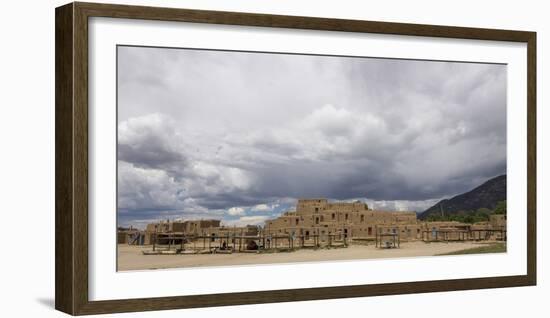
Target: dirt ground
(130,257)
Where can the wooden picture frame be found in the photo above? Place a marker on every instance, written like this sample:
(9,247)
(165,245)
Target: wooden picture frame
(71,90)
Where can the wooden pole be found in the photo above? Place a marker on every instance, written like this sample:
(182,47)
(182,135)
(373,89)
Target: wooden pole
(376,235)
(289,242)
(315,239)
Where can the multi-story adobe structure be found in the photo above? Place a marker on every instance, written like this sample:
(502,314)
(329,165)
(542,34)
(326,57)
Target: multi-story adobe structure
(322,221)
(355,220)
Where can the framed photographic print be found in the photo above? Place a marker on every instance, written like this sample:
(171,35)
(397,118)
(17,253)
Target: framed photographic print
(242,158)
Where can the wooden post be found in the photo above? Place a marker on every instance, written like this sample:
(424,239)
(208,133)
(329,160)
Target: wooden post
(289,241)
(315,240)
(376,234)
(155,237)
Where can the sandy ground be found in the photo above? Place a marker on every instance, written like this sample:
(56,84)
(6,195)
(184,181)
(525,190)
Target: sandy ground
(132,258)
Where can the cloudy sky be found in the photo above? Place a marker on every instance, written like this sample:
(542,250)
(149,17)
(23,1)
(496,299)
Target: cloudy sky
(239,136)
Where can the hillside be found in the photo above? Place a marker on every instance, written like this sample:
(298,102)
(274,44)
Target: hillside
(486,195)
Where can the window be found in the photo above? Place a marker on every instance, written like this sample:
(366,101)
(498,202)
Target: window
(362,218)
(317,220)
(346,216)
(333,216)
(370,230)
(316,209)
(297,221)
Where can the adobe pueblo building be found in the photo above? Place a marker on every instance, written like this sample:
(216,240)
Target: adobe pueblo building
(314,223)
(324,219)
(179,232)
(356,222)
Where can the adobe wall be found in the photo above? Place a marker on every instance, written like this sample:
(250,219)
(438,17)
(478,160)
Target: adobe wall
(319,217)
(349,219)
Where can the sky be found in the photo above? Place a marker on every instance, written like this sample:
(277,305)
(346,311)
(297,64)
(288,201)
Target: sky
(239,136)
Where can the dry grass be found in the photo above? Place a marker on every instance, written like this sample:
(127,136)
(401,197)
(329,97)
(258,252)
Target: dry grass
(491,248)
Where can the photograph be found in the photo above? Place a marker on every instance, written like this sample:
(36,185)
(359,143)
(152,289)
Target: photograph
(228,158)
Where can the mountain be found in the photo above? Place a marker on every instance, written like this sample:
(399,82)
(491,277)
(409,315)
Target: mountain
(486,195)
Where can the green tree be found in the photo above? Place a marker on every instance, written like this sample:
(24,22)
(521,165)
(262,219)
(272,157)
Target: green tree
(500,208)
(483,211)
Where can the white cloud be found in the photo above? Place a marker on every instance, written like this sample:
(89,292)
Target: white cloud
(236,211)
(402,205)
(248,220)
(264,207)
(145,188)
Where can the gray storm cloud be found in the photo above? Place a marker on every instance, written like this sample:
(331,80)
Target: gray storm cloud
(202,132)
